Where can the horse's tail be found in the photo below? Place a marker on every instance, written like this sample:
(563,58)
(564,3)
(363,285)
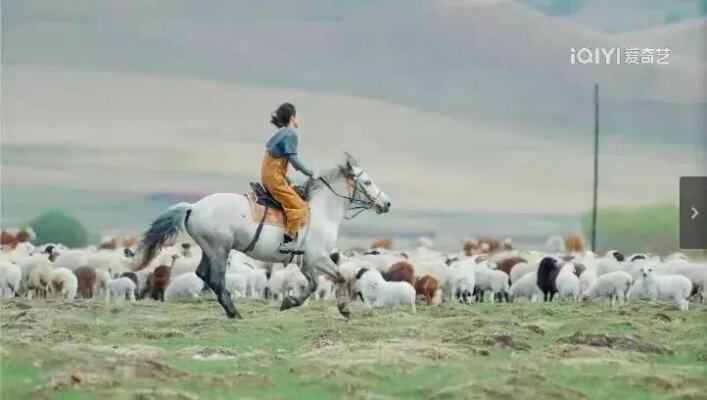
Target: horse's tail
(163,229)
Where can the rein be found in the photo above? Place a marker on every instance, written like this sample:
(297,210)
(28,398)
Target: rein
(355,202)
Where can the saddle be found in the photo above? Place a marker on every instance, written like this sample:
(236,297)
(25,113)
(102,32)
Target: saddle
(264,198)
(266,210)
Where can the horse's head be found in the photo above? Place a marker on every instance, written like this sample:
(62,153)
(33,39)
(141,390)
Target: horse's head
(365,191)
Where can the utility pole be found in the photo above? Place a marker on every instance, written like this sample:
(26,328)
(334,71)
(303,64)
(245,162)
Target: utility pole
(596,166)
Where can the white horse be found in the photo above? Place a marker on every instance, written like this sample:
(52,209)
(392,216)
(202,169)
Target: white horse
(224,221)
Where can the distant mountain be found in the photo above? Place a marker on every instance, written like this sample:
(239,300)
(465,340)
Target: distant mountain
(496,61)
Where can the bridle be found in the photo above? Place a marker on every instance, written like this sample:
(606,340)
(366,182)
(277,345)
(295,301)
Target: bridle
(355,202)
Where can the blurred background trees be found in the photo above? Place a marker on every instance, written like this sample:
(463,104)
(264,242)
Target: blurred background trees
(55,226)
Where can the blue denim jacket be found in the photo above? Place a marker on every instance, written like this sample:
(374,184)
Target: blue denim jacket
(284,144)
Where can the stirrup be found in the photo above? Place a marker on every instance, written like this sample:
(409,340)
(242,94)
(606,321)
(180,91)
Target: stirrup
(290,248)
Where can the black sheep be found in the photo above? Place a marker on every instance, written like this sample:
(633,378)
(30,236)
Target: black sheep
(547,273)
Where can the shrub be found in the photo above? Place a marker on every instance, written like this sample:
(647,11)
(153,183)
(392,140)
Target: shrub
(55,226)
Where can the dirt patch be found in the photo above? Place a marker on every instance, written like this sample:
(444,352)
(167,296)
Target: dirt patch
(515,388)
(64,380)
(162,394)
(136,368)
(406,351)
(148,334)
(212,353)
(508,342)
(535,329)
(615,342)
(659,383)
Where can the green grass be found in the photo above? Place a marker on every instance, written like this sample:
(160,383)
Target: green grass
(148,350)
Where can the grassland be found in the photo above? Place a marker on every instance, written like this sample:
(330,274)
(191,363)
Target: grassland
(189,350)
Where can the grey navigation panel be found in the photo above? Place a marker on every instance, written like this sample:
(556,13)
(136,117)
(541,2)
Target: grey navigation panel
(693,212)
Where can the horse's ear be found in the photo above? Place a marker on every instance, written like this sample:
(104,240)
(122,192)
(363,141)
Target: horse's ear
(350,160)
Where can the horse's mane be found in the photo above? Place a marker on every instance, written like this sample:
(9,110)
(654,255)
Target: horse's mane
(330,175)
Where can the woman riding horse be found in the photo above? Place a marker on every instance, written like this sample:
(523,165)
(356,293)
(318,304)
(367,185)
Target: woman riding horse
(281,150)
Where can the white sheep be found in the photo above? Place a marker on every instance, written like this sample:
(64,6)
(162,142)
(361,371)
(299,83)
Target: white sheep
(696,273)
(614,286)
(526,287)
(22,250)
(364,285)
(325,288)
(556,245)
(236,284)
(102,278)
(380,260)
(675,288)
(461,282)
(120,289)
(64,283)
(288,281)
(36,275)
(435,267)
(612,261)
(72,259)
(390,294)
(10,278)
(260,281)
(587,279)
(115,261)
(187,285)
(185,263)
(491,279)
(252,270)
(567,282)
(348,269)
(677,257)
(521,269)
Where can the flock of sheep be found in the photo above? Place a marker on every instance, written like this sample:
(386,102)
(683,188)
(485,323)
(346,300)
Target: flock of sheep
(380,277)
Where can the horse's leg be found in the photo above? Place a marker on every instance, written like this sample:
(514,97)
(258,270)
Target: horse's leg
(326,266)
(212,270)
(290,301)
(203,270)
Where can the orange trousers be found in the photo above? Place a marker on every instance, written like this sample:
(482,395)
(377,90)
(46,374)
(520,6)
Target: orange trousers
(273,175)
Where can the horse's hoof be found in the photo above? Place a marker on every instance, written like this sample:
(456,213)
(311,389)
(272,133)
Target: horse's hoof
(344,310)
(234,314)
(287,303)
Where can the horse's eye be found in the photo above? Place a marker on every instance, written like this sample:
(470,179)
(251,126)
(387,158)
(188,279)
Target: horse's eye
(367,183)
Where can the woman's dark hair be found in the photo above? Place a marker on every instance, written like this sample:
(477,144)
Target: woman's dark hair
(281,116)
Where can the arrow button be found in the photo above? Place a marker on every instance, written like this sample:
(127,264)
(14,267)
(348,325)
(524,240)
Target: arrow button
(693,212)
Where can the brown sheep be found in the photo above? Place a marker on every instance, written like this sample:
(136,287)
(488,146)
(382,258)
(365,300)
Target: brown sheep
(481,245)
(574,243)
(401,271)
(23,236)
(507,264)
(110,244)
(471,247)
(130,241)
(158,282)
(8,239)
(426,286)
(382,243)
(86,278)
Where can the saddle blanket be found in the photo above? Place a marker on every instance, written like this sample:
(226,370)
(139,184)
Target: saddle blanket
(274,217)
